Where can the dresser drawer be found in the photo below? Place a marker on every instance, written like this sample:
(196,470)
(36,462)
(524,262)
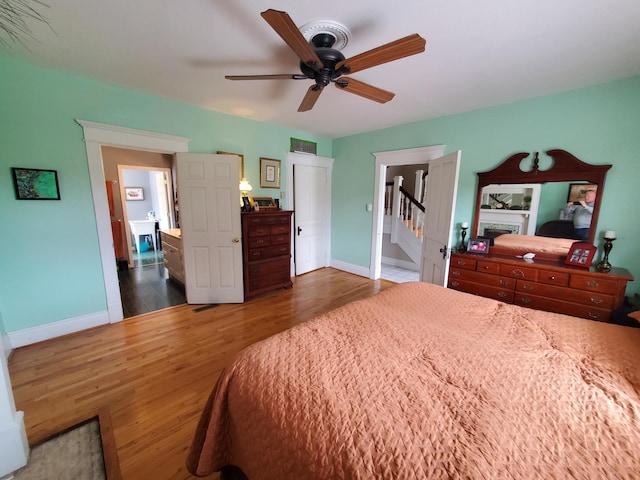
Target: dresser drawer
(268,252)
(599,284)
(270,281)
(280,230)
(483,278)
(259,230)
(488,267)
(280,239)
(270,268)
(467,263)
(519,271)
(256,242)
(590,299)
(502,294)
(554,278)
(568,308)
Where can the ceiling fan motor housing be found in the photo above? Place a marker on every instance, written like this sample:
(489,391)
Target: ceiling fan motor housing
(330,57)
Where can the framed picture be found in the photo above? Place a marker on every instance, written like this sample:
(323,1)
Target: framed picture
(581,254)
(478,245)
(263,203)
(134,193)
(577,191)
(269,173)
(36,184)
(219,152)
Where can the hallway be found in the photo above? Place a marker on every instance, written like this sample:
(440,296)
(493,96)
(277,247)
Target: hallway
(398,274)
(147,287)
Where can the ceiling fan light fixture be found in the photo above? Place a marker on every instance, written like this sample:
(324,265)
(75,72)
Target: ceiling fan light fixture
(339,32)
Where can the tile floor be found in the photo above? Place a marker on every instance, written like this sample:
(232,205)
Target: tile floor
(147,287)
(398,275)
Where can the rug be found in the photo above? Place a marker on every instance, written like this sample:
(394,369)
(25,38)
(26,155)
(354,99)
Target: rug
(74,454)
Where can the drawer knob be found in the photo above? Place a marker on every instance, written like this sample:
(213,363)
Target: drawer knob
(596,300)
(455,273)
(594,315)
(525,300)
(485,267)
(455,284)
(502,294)
(504,283)
(592,283)
(552,277)
(461,262)
(527,287)
(517,273)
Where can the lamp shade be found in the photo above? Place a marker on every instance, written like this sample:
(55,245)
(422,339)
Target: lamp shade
(245,186)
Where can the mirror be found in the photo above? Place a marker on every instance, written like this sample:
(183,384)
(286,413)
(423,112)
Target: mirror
(528,199)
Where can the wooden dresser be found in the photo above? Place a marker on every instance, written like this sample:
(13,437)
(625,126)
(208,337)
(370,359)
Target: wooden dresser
(172,253)
(550,286)
(266,251)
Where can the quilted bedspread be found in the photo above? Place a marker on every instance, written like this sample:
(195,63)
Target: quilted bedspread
(422,382)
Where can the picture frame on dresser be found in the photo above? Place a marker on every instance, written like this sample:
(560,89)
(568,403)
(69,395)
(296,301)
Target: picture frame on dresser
(478,245)
(581,254)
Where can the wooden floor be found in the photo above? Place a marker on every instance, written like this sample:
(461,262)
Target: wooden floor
(154,372)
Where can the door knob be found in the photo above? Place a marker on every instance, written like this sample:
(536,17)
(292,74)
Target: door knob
(443,251)
(299,231)
(236,240)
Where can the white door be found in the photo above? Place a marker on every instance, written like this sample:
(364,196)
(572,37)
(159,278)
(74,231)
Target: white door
(310,225)
(211,231)
(440,206)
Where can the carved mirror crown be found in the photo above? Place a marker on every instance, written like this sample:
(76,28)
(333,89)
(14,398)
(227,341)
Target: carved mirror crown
(564,168)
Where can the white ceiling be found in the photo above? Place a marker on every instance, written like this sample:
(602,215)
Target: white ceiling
(478,53)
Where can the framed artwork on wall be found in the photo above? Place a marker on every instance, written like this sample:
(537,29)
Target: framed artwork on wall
(269,173)
(36,184)
(134,193)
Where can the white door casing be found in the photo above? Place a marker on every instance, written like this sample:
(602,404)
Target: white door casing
(211,227)
(309,226)
(95,136)
(297,159)
(408,156)
(440,207)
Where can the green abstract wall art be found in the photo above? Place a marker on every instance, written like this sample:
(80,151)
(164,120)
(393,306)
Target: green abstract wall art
(36,184)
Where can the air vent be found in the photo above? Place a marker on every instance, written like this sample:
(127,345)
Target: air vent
(303,146)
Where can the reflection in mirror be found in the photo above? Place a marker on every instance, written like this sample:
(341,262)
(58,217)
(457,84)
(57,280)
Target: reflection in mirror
(556,187)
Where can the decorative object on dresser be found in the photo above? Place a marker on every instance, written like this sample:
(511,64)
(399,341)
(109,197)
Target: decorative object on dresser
(543,285)
(263,203)
(478,245)
(581,254)
(266,251)
(609,237)
(463,232)
(172,253)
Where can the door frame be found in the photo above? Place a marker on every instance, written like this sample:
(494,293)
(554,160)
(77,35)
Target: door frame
(95,136)
(407,156)
(294,158)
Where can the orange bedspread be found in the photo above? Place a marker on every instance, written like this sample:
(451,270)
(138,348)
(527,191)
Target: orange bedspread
(422,382)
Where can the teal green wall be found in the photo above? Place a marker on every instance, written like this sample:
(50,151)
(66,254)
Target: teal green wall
(50,266)
(598,125)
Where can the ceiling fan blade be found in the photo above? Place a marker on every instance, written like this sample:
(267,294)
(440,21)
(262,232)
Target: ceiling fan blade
(283,76)
(283,25)
(365,90)
(310,98)
(403,47)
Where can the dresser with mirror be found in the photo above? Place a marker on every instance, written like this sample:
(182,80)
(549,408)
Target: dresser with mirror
(544,282)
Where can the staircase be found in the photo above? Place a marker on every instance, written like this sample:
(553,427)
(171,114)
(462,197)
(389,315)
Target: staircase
(404,215)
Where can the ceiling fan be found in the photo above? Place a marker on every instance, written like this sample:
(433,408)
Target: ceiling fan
(324,64)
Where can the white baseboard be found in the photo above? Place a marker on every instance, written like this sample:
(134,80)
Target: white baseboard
(6,345)
(395,262)
(350,268)
(27,336)
(14,447)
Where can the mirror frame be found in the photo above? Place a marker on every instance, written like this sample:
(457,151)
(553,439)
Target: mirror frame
(564,168)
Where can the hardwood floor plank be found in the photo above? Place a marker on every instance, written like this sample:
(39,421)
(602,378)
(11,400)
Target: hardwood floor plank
(155,371)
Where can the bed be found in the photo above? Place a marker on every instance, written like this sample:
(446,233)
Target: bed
(544,247)
(420,381)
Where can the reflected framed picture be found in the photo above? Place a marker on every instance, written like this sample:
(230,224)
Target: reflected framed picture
(36,184)
(581,254)
(478,245)
(269,173)
(134,193)
(578,191)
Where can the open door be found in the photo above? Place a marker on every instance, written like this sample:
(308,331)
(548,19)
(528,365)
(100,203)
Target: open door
(211,227)
(440,206)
